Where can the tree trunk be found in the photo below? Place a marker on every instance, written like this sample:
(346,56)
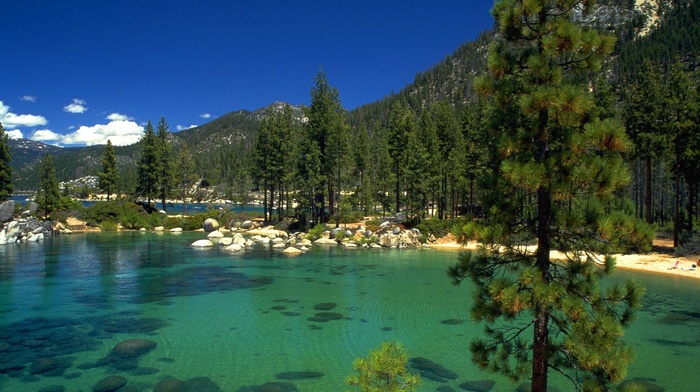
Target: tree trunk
(676,205)
(647,192)
(265,200)
(398,187)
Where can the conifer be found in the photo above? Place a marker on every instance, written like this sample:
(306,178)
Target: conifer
(558,166)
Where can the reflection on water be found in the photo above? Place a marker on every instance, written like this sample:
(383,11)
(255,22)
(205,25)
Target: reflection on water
(142,310)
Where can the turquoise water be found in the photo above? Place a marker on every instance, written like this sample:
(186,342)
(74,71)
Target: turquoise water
(247,319)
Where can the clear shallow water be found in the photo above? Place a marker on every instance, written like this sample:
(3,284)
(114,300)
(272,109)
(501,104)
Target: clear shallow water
(247,319)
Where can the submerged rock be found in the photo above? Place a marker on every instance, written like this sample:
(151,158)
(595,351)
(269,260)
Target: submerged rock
(478,385)
(133,348)
(109,384)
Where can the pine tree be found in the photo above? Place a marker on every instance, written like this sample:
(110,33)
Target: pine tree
(644,119)
(185,175)
(109,175)
(384,370)
(402,123)
(6,187)
(164,162)
(149,166)
(557,167)
(48,195)
(681,102)
(326,126)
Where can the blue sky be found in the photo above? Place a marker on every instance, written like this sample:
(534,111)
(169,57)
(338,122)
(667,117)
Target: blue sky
(79,72)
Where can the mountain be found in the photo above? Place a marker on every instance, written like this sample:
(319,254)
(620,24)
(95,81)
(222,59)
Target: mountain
(25,151)
(234,130)
(231,134)
(644,28)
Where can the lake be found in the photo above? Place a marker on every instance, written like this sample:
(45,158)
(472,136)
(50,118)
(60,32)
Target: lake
(241,322)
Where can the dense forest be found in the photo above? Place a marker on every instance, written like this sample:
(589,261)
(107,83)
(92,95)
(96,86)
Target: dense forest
(426,150)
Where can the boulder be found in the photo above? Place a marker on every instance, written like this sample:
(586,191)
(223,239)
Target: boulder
(202,244)
(33,207)
(210,224)
(159,228)
(246,225)
(225,241)
(279,246)
(7,209)
(176,230)
(325,241)
(132,348)
(292,251)
(233,248)
(12,231)
(109,384)
(238,239)
(216,234)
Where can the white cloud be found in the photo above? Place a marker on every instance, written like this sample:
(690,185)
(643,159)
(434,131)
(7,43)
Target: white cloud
(182,128)
(28,98)
(45,135)
(205,115)
(14,134)
(118,117)
(77,106)
(11,120)
(121,133)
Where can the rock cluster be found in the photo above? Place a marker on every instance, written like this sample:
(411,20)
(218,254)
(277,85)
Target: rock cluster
(24,230)
(389,235)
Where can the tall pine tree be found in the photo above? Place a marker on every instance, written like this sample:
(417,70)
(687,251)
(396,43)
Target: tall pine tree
(557,164)
(184,174)
(48,195)
(326,127)
(148,166)
(107,178)
(164,162)
(6,187)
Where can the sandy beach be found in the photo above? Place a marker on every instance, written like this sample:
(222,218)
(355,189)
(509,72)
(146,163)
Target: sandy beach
(660,262)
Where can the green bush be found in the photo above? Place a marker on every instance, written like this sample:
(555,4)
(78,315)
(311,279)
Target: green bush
(384,369)
(316,232)
(108,225)
(435,226)
(689,245)
(113,210)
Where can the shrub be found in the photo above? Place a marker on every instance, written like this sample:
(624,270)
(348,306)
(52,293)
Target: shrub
(108,225)
(384,370)
(689,245)
(435,226)
(316,232)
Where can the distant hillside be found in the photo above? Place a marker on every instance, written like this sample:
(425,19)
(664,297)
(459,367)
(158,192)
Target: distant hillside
(226,136)
(452,79)
(233,130)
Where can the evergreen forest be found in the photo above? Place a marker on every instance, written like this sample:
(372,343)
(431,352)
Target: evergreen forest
(428,150)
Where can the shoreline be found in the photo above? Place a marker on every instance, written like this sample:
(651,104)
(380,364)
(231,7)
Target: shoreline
(655,262)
